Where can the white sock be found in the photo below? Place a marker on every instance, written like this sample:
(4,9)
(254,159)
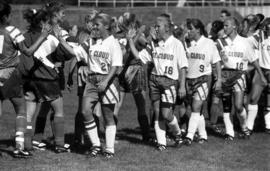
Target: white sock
(91,129)
(252,113)
(267,120)
(201,128)
(243,119)
(193,124)
(174,126)
(19,139)
(110,132)
(160,130)
(228,124)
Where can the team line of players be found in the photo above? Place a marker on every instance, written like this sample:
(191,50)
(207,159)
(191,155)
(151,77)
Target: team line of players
(183,68)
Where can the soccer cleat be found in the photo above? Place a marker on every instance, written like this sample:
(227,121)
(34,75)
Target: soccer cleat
(245,134)
(187,141)
(19,153)
(62,149)
(228,137)
(94,151)
(267,130)
(39,145)
(108,154)
(161,147)
(178,140)
(202,140)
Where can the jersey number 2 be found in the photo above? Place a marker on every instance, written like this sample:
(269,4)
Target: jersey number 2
(1,43)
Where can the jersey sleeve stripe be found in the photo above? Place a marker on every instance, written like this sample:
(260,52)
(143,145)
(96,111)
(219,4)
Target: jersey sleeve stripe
(10,29)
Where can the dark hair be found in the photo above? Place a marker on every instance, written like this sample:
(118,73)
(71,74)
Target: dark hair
(197,25)
(178,32)
(217,25)
(168,19)
(260,16)
(34,17)
(5,10)
(54,7)
(228,14)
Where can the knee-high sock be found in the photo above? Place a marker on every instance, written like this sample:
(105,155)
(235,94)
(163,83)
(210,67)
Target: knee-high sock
(39,128)
(91,130)
(110,132)
(59,127)
(267,120)
(79,126)
(228,124)
(201,128)
(251,116)
(174,126)
(28,136)
(20,131)
(160,130)
(193,124)
(243,119)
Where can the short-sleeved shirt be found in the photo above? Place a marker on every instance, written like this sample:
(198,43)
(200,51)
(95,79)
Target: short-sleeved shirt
(201,55)
(10,37)
(261,44)
(238,53)
(102,55)
(168,58)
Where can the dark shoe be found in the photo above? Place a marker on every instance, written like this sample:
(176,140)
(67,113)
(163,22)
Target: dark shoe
(267,131)
(178,140)
(228,137)
(108,154)
(94,151)
(161,147)
(202,140)
(245,134)
(187,141)
(62,149)
(39,145)
(19,153)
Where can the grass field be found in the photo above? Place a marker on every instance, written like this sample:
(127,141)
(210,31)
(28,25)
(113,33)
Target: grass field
(131,154)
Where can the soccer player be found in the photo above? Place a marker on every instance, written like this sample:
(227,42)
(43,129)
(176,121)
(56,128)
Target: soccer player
(235,52)
(44,81)
(202,54)
(217,32)
(170,63)
(11,44)
(83,35)
(224,14)
(101,86)
(133,78)
(261,42)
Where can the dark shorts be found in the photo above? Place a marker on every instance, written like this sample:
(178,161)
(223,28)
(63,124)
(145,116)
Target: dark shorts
(232,81)
(257,80)
(12,87)
(133,79)
(109,96)
(163,88)
(44,90)
(198,88)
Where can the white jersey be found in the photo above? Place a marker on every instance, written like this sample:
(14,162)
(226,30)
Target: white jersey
(201,55)
(261,44)
(101,56)
(236,54)
(168,58)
